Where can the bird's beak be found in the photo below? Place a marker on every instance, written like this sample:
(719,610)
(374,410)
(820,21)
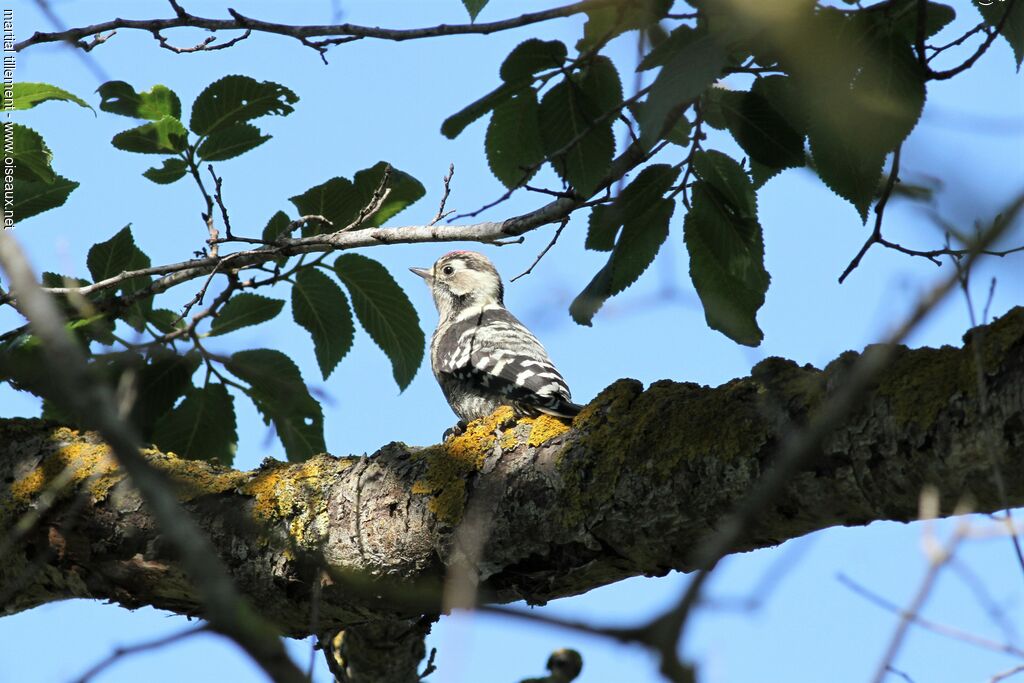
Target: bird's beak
(423,273)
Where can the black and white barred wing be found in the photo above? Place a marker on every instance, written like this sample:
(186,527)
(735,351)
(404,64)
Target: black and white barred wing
(495,351)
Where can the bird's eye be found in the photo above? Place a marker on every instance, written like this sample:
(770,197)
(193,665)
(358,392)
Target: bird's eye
(447,270)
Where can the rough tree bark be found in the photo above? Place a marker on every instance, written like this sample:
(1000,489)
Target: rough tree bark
(629,489)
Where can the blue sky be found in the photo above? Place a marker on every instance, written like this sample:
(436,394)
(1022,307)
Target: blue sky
(384,101)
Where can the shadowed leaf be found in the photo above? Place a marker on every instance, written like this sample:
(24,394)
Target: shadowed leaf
(280,395)
(202,427)
(243,310)
(231,141)
(385,312)
(319,305)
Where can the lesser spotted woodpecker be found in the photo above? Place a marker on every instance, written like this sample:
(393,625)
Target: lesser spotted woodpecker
(482,356)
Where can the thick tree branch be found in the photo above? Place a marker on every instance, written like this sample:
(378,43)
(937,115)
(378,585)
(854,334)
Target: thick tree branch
(631,488)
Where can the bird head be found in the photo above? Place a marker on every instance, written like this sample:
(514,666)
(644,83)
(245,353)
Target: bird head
(461,280)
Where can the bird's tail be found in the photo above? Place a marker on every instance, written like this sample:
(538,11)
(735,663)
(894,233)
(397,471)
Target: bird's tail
(560,407)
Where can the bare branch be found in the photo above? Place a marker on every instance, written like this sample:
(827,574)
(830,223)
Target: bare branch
(122,652)
(912,615)
(441,213)
(993,33)
(344,31)
(490,232)
(546,249)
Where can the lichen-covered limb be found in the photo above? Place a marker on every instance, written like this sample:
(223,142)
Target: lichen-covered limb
(628,489)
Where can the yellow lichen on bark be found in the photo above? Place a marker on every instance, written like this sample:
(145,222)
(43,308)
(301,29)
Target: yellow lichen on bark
(88,462)
(293,492)
(546,428)
(450,463)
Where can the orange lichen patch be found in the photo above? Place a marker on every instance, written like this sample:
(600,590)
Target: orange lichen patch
(86,462)
(475,444)
(509,440)
(546,428)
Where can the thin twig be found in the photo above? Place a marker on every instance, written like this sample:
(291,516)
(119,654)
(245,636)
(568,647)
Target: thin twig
(911,615)
(218,196)
(982,49)
(206,45)
(121,652)
(876,233)
(441,213)
(1003,675)
(554,239)
(185,19)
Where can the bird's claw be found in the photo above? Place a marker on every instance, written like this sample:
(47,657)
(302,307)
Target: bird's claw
(452,432)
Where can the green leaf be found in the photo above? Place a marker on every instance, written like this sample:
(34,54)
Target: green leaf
(761,130)
(341,201)
(690,70)
(115,256)
(229,142)
(678,133)
(118,97)
(404,191)
(784,97)
(172,170)
(586,305)
(98,327)
(165,320)
(202,427)
(680,37)
(581,153)
(602,227)
(903,18)
(726,264)
(278,392)
(1013,27)
(31,155)
(243,310)
(638,244)
(158,385)
(28,95)
(166,136)
(457,122)
(276,228)
(530,57)
(729,179)
(385,312)
(852,130)
(607,21)
(632,203)
(474,7)
(513,144)
(236,99)
(35,196)
(319,305)
(601,84)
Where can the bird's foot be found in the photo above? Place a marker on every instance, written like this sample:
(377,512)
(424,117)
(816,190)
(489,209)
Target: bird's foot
(452,432)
